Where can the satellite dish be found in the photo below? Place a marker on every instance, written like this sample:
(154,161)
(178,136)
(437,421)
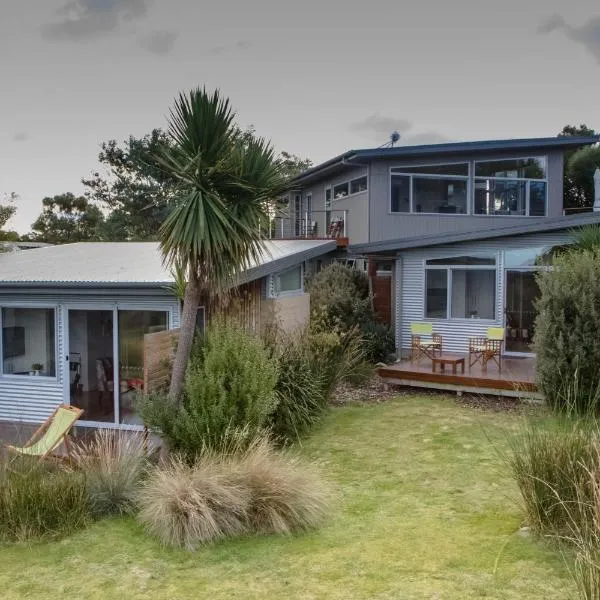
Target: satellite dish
(394,137)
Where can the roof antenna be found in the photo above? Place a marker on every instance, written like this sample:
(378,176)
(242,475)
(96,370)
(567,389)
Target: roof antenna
(394,139)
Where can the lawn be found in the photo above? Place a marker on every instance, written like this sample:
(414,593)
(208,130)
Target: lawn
(425,508)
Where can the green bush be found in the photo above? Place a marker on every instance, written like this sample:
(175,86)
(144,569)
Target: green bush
(301,401)
(567,331)
(229,387)
(251,489)
(113,463)
(39,499)
(340,301)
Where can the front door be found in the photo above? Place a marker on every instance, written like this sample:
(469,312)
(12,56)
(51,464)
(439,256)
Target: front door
(521,292)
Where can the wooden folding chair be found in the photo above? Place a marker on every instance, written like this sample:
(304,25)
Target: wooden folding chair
(487,348)
(51,433)
(423,341)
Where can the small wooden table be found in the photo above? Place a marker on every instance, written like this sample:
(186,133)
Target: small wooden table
(448,359)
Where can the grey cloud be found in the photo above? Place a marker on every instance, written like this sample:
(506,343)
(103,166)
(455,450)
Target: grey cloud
(80,20)
(378,126)
(159,42)
(218,50)
(587,34)
(20,136)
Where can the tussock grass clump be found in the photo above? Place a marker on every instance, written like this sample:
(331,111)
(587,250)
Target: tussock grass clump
(249,490)
(39,499)
(113,463)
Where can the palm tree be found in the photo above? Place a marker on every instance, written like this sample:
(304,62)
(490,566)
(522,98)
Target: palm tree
(212,231)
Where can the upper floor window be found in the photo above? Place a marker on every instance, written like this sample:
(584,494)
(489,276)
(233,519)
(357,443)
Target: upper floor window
(515,186)
(347,188)
(430,189)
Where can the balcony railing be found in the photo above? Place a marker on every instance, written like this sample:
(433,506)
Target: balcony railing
(319,224)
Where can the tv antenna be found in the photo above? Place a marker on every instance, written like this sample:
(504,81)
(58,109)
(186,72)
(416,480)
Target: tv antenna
(394,139)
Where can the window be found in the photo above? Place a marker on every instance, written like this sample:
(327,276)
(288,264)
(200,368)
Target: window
(341,190)
(28,341)
(327,198)
(514,186)
(358,185)
(462,287)
(290,281)
(430,189)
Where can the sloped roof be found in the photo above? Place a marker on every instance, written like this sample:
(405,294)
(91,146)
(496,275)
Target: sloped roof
(133,264)
(540,225)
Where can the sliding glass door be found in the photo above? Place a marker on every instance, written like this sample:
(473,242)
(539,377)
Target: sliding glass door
(521,292)
(105,360)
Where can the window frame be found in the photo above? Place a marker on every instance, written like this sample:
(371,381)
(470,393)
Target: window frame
(471,185)
(57,363)
(450,282)
(347,182)
(277,285)
(468,178)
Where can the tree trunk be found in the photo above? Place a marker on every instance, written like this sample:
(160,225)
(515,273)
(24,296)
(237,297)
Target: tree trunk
(191,300)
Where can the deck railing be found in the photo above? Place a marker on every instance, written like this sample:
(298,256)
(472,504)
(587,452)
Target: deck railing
(318,224)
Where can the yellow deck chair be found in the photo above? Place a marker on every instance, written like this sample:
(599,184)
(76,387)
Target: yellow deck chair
(51,433)
(487,348)
(423,341)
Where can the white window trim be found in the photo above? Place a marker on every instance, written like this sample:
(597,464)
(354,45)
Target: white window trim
(471,180)
(50,379)
(349,183)
(449,268)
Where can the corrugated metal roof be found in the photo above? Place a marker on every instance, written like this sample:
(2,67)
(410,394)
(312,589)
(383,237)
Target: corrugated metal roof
(542,224)
(131,263)
(406,152)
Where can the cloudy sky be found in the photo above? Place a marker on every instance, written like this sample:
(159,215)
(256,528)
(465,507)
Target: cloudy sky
(316,77)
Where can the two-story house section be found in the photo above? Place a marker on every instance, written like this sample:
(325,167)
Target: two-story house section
(464,227)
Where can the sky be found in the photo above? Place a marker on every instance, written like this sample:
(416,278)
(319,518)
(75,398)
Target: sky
(315,77)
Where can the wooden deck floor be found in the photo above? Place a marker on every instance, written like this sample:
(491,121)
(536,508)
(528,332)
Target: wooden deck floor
(517,377)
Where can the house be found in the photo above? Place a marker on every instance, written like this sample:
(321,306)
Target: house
(78,318)
(458,229)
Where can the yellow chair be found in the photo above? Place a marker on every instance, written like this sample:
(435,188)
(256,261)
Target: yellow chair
(51,433)
(487,348)
(423,341)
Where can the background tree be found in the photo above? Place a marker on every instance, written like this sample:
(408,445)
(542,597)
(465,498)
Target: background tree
(67,218)
(134,189)
(224,185)
(579,163)
(7,211)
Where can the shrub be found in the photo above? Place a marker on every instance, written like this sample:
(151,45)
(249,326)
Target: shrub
(378,341)
(299,388)
(551,462)
(568,329)
(229,387)
(40,499)
(113,463)
(250,489)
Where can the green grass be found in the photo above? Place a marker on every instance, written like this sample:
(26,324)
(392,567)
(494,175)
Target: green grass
(425,509)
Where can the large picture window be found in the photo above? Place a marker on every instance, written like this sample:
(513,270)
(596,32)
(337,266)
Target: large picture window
(430,189)
(28,341)
(511,187)
(462,287)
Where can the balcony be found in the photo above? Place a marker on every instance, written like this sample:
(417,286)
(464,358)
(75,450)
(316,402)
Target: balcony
(314,225)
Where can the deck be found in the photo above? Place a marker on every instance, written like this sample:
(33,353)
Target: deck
(517,378)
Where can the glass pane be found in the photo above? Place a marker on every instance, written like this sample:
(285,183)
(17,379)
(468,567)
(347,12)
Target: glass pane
(341,190)
(530,168)
(291,280)
(439,195)
(537,198)
(531,257)
(91,363)
(458,169)
(28,342)
(436,302)
(464,260)
(327,198)
(358,185)
(133,327)
(400,194)
(521,292)
(499,197)
(473,293)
